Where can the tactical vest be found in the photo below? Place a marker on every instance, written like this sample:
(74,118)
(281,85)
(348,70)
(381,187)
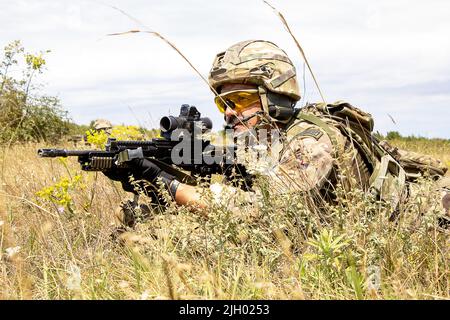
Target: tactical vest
(385,176)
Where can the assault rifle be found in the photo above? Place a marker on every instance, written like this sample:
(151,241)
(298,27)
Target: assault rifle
(182,136)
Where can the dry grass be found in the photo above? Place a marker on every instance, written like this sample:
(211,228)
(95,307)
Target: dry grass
(280,251)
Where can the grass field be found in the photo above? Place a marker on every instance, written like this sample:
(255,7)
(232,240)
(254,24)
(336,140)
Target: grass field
(56,222)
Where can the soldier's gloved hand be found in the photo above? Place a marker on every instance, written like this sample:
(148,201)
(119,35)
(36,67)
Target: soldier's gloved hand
(146,174)
(122,175)
(144,169)
(117,174)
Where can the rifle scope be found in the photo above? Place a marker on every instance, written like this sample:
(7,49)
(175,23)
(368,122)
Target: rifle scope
(170,123)
(188,117)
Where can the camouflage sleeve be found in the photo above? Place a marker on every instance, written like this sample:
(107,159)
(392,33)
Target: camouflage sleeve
(304,163)
(306,160)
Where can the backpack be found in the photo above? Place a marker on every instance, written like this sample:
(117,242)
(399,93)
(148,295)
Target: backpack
(387,177)
(390,168)
(416,164)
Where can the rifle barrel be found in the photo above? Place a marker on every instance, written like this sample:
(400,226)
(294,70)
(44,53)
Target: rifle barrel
(52,153)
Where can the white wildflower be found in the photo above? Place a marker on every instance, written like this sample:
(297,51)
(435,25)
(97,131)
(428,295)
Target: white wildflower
(12,251)
(74,279)
(123,284)
(145,295)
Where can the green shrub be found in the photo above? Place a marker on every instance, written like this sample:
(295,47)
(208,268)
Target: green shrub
(393,135)
(25,113)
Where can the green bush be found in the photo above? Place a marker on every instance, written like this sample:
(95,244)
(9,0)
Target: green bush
(393,135)
(25,113)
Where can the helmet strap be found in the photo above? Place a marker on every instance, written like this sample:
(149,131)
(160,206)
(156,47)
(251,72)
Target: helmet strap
(264,101)
(270,109)
(266,119)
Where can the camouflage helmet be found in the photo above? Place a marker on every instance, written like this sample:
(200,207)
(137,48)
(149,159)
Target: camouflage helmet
(101,124)
(256,62)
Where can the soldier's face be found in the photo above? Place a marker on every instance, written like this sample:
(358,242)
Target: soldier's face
(234,118)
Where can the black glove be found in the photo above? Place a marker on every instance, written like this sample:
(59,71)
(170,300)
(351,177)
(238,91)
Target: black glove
(142,169)
(123,175)
(117,174)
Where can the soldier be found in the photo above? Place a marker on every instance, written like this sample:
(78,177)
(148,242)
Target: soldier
(318,146)
(102,125)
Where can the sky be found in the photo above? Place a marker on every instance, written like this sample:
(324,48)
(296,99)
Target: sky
(390,58)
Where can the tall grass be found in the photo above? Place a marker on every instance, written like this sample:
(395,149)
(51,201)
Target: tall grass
(58,245)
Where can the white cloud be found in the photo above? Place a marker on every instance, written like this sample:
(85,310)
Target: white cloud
(387,57)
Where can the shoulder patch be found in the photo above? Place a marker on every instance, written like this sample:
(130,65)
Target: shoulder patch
(311,132)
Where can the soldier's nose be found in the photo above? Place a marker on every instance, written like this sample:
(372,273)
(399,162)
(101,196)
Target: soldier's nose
(229,113)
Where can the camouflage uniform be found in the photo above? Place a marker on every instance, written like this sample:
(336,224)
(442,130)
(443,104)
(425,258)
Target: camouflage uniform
(325,145)
(307,160)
